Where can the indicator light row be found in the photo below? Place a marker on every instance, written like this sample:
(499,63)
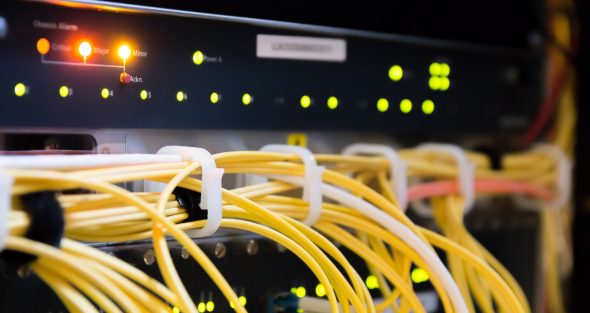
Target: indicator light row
(85,48)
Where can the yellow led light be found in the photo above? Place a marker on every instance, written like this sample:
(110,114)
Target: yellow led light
(43,46)
(395,73)
(434,69)
(124,52)
(201,307)
(175,310)
(434,83)
(85,49)
(214,97)
(210,306)
(143,95)
(405,106)
(232,305)
(305,102)
(445,83)
(372,282)
(445,69)
(428,107)
(64,91)
(382,105)
(198,57)
(293,289)
(301,292)
(180,96)
(332,103)
(320,290)
(105,93)
(20,89)
(246,99)
(242,300)
(419,276)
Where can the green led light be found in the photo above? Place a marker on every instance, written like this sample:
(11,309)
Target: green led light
(395,73)
(20,89)
(434,83)
(201,307)
(301,292)
(175,310)
(64,91)
(332,103)
(246,99)
(180,96)
(214,97)
(242,300)
(105,93)
(372,282)
(305,101)
(428,107)
(419,276)
(300,311)
(210,306)
(198,57)
(434,69)
(445,70)
(293,290)
(320,290)
(445,83)
(382,105)
(143,95)
(405,106)
(232,305)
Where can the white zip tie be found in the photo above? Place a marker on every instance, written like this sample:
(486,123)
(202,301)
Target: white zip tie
(466,178)
(6,183)
(397,167)
(564,174)
(312,189)
(211,199)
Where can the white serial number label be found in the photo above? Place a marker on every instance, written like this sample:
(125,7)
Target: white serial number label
(300,48)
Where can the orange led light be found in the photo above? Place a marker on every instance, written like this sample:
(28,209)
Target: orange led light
(85,49)
(43,46)
(124,52)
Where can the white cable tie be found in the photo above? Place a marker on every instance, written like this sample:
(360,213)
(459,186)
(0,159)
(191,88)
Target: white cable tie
(564,174)
(6,183)
(211,199)
(312,189)
(466,178)
(397,167)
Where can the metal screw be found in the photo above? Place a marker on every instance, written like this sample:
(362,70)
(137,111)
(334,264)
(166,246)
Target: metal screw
(252,247)
(184,253)
(149,257)
(220,250)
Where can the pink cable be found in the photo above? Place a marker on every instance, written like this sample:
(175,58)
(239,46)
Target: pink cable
(441,188)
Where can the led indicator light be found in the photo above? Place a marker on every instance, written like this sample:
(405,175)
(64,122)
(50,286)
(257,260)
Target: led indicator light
(242,300)
(201,307)
(214,97)
(372,282)
(124,52)
(434,83)
(246,99)
(396,73)
(305,102)
(64,91)
(419,276)
(320,290)
(332,103)
(180,96)
(445,83)
(434,69)
(198,57)
(20,89)
(405,106)
(382,105)
(43,46)
(85,49)
(175,310)
(143,95)
(427,107)
(293,290)
(210,306)
(301,292)
(105,93)
(445,70)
